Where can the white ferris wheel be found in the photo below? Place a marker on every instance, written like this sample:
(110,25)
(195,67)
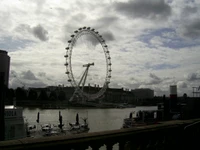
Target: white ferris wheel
(86,35)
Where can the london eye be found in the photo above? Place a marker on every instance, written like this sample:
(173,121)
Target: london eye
(77,62)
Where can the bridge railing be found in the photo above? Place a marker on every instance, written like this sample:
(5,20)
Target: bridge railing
(179,134)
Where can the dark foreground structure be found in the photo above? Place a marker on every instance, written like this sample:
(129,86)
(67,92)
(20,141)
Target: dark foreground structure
(178,134)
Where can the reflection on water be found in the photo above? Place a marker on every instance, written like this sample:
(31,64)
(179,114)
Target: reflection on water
(98,119)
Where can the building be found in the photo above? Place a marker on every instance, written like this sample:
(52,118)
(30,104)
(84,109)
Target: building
(173,97)
(141,94)
(4,66)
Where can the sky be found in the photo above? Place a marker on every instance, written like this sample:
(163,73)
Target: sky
(152,43)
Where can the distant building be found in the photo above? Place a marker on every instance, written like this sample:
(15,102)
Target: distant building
(4,66)
(143,93)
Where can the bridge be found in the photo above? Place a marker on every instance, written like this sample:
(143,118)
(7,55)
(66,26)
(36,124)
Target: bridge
(175,134)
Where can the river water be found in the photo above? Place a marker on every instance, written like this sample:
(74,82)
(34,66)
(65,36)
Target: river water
(98,119)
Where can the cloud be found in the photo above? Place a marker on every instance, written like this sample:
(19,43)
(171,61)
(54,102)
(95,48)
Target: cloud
(150,41)
(193,76)
(192,29)
(149,9)
(42,74)
(40,33)
(28,75)
(187,11)
(108,36)
(154,79)
(182,84)
(106,21)
(25,79)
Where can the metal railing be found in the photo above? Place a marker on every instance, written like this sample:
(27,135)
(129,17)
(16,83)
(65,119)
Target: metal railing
(179,134)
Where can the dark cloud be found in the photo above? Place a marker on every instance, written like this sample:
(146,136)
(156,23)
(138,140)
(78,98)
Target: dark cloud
(28,75)
(25,79)
(188,10)
(151,9)
(154,79)
(40,33)
(182,84)
(108,36)
(193,76)
(42,74)
(106,21)
(192,29)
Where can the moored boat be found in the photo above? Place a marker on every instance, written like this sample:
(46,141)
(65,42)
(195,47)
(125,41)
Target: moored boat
(77,127)
(14,123)
(142,118)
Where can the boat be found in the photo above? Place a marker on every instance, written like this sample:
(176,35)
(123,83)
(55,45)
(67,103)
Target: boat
(144,117)
(15,128)
(46,129)
(77,127)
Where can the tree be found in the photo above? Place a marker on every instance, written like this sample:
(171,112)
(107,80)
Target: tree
(32,95)
(61,95)
(43,95)
(10,94)
(21,94)
(53,95)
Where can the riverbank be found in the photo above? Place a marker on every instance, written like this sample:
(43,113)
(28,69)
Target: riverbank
(75,105)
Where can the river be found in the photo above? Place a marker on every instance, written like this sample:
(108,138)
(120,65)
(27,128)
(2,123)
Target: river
(98,119)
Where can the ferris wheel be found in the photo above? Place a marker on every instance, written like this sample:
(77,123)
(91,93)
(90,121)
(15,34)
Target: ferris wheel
(80,84)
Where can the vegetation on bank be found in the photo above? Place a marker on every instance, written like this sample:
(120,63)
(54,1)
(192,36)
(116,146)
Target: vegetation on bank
(45,97)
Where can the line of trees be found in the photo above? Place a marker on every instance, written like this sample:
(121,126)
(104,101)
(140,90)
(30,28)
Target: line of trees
(21,94)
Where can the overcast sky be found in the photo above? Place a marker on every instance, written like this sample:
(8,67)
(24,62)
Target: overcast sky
(152,43)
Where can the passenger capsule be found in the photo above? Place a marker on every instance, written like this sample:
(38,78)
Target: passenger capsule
(66,64)
(105,46)
(84,27)
(76,31)
(67,72)
(88,28)
(92,30)
(67,48)
(69,41)
(66,56)
(69,80)
(109,58)
(80,28)
(72,35)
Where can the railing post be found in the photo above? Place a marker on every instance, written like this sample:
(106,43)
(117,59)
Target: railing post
(95,146)
(121,145)
(109,146)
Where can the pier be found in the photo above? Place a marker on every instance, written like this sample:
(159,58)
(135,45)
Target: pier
(175,134)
